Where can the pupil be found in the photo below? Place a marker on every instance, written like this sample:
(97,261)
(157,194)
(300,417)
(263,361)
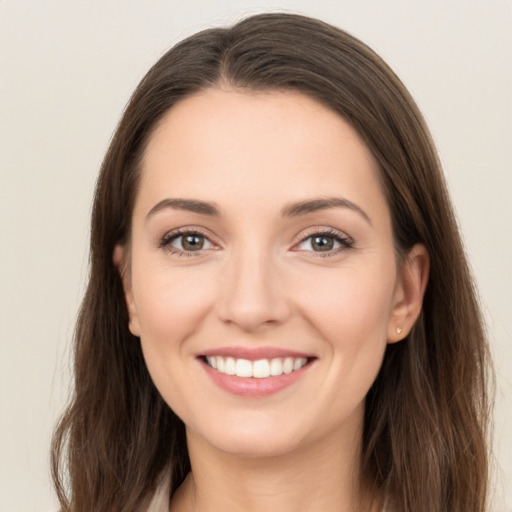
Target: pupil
(193,242)
(322,243)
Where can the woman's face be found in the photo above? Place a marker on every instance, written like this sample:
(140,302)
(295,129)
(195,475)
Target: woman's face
(262,246)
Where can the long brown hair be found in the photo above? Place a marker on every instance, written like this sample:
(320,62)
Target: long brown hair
(426,414)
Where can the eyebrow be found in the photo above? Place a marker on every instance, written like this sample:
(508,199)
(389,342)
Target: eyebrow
(291,210)
(314,205)
(190,205)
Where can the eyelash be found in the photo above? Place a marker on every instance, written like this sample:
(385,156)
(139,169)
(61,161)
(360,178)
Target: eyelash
(345,242)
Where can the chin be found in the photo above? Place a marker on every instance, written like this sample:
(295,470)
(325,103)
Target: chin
(249,440)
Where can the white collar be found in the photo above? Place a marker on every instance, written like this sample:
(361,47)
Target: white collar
(160,501)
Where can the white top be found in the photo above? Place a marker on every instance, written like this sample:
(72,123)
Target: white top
(160,501)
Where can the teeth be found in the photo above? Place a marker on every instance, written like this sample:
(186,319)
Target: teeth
(276,367)
(298,363)
(243,368)
(260,369)
(229,368)
(288,365)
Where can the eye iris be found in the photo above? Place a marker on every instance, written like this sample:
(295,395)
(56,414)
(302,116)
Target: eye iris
(193,242)
(322,243)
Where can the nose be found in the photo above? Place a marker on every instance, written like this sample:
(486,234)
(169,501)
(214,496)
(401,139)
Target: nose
(252,292)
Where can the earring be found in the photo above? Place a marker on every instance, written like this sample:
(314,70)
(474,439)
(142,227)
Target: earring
(399,330)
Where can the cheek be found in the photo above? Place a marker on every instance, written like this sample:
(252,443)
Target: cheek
(351,305)
(171,304)
(171,307)
(350,311)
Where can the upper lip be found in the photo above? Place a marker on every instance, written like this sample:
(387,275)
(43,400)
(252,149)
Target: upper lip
(254,353)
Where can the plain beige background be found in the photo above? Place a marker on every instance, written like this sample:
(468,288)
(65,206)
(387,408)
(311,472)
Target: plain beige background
(67,70)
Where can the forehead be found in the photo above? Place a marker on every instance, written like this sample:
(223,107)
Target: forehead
(229,145)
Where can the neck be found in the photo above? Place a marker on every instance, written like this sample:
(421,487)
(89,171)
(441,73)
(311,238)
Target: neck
(324,476)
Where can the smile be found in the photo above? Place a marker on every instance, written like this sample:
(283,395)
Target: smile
(260,369)
(255,372)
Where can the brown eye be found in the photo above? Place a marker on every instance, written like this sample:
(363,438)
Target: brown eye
(192,242)
(187,242)
(325,242)
(322,243)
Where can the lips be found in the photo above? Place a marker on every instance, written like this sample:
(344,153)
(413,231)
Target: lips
(255,372)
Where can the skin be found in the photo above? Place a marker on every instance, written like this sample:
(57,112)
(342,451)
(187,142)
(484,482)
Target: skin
(259,281)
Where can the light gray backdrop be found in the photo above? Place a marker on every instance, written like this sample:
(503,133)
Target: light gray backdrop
(67,70)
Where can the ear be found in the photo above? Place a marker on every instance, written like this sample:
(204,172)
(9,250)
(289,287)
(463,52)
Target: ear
(121,261)
(408,295)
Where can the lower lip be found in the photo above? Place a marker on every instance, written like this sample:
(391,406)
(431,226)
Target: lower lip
(251,386)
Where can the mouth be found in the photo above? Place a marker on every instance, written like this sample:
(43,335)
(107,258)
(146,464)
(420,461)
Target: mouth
(255,373)
(259,369)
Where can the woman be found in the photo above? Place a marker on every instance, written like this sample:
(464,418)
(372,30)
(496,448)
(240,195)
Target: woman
(279,313)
